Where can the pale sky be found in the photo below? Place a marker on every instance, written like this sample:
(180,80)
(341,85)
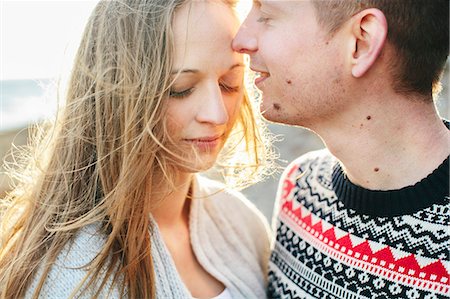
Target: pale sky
(39,38)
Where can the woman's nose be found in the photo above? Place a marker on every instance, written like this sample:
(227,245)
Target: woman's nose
(213,109)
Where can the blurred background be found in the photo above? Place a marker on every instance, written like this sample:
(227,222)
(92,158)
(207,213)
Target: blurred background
(38,40)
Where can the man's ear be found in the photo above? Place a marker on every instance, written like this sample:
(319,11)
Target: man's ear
(369,30)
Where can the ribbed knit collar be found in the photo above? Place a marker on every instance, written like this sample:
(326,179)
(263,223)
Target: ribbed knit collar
(431,190)
(434,189)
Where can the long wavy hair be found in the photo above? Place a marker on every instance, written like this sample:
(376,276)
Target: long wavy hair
(104,159)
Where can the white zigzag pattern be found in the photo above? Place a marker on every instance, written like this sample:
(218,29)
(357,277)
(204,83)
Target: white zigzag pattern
(389,229)
(372,227)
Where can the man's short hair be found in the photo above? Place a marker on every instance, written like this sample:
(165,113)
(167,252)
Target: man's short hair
(417,29)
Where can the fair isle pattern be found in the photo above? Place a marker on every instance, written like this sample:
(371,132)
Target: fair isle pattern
(313,190)
(326,251)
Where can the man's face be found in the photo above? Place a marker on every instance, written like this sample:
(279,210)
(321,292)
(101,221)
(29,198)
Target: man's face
(299,64)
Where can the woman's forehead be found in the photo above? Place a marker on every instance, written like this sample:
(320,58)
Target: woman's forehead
(197,21)
(203,32)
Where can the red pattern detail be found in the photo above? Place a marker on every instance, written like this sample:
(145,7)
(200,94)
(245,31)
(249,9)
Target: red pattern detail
(329,234)
(363,248)
(318,227)
(287,188)
(436,268)
(307,220)
(408,262)
(288,183)
(434,272)
(344,241)
(293,169)
(385,254)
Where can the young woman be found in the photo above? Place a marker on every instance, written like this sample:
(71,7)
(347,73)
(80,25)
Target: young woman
(112,207)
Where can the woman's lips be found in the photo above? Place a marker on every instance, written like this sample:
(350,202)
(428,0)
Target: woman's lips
(205,143)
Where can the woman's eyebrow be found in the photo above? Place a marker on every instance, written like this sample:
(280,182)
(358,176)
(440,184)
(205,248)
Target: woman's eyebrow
(195,71)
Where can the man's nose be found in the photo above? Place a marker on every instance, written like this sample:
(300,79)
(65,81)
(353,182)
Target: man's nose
(246,40)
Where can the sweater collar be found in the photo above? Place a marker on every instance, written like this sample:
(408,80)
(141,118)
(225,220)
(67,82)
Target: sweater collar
(434,189)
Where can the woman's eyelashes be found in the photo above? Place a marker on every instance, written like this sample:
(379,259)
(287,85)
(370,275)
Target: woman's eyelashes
(228,88)
(263,20)
(264,17)
(183,93)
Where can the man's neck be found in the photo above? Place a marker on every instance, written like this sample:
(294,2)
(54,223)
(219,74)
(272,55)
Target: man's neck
(387,145)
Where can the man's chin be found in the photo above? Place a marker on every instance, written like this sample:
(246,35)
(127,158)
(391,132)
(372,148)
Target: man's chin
(277,116)
(274,120)
(271,111)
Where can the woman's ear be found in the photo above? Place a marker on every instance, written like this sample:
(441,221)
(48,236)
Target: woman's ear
(369,30)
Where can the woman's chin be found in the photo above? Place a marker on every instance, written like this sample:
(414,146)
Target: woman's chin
(198,164)
(203,165)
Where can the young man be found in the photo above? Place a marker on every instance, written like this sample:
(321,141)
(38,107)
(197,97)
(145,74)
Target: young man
(369,216)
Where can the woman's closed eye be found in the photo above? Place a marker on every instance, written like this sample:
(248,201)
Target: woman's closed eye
(229,89)
(181,93)
(264,17)
(263,20)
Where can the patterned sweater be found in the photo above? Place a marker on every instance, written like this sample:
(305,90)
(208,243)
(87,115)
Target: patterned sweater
(338,240)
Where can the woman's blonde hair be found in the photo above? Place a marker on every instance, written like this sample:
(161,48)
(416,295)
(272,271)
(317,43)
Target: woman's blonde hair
(104,158)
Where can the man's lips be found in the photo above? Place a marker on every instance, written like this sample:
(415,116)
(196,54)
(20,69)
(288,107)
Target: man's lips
(260,75)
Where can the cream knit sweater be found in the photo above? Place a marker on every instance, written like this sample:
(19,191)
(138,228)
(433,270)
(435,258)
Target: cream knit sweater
(229,236)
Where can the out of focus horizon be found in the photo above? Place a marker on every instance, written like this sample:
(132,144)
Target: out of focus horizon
(39,39)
